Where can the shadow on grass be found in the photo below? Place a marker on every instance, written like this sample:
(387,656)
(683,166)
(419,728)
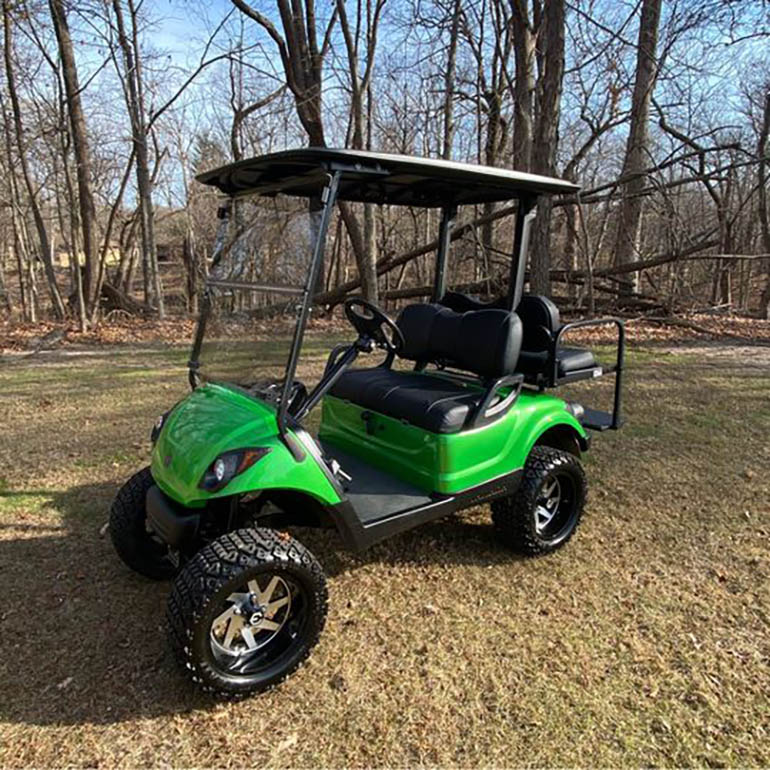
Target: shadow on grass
(82,639)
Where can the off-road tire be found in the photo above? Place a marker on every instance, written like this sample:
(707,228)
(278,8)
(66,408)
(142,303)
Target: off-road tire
(133,543)
(515,517)
(212,574)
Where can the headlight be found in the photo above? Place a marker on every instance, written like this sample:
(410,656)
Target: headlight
(228,465)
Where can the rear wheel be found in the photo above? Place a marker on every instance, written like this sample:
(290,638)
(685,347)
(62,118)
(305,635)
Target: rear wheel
(246,611)
(136,545)
(546,509)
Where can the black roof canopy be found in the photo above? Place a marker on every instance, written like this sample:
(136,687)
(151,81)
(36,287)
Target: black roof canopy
(373,177)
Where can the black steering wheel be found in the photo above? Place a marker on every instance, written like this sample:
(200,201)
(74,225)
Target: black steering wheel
(371,323)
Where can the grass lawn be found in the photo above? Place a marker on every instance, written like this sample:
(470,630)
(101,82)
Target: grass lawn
(644,642)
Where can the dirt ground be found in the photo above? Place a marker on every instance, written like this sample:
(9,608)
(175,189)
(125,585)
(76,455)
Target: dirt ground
(644,642)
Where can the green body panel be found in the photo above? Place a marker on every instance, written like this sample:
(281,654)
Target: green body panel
(216,418)
(446,463)
(213,419)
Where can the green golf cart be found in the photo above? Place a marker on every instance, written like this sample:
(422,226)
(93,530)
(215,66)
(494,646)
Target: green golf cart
(454,410)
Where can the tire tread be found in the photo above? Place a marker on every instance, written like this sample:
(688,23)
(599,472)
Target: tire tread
(212,567)
(513,516)
(127,517)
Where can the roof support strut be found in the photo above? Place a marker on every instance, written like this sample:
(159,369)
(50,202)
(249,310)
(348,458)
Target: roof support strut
(328,198)
(448,215)
(524,216)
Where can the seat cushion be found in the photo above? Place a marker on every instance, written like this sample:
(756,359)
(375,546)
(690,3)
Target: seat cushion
(574,359)
(535,310)
(570,360)
(539,323)
(430,402)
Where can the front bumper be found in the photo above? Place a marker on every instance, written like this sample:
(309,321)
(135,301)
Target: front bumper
(175,525)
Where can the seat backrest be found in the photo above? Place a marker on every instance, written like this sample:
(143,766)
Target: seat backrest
(540,321)
(484,342)
(462,303)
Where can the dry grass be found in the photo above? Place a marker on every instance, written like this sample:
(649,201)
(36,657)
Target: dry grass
(644,642)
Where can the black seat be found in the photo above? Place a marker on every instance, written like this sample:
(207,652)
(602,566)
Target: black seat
(540,324)
(430,402)
(484,342)
(569,360)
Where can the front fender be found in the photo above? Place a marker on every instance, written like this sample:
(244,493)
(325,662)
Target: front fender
(279,470)
(214,419)
(276,470)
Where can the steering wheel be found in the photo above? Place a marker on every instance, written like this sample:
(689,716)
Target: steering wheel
(371,323)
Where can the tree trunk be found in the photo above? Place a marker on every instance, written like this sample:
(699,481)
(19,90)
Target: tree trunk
(764,219)
(492,147)
(449,83)
(27,310)
(365,249)
(549,86)
(153,293)
(524,86)
(46,252)
(190,260)
(73,225)
(82,154)
(627,241)
(5,297)
(570,248)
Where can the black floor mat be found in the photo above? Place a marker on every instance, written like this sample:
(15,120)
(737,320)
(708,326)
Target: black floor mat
(374,493)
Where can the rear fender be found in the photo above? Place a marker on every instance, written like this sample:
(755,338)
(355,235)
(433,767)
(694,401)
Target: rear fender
(561,431)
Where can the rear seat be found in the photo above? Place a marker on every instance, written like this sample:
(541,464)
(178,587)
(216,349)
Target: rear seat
(540,324)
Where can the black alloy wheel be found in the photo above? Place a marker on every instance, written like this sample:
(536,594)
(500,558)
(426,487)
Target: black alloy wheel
(246,610)
(546,509)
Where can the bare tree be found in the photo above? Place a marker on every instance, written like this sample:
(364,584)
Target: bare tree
(25,269)
(627,239)
(550,58)
(763,150)
(46,252)
(302,53)
(81,150)
(525,38)
(450,77)
(302,56)
(360,96)
(133,82)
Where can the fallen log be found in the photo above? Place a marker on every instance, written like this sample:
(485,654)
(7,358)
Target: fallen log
(113,298)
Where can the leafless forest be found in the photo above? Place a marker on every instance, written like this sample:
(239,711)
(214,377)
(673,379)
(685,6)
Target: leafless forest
(660,109)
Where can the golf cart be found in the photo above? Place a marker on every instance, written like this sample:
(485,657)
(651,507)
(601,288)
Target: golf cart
(457,414)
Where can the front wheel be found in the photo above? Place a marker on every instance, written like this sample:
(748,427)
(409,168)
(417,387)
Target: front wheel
(246,611)
(137,546)
(545,511)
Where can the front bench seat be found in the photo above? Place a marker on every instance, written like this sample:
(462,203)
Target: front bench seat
(429,402)
(483,342)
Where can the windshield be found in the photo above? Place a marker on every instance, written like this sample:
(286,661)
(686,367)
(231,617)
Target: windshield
(255,287)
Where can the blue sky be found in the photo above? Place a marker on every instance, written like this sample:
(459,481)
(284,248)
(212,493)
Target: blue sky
(180,21)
